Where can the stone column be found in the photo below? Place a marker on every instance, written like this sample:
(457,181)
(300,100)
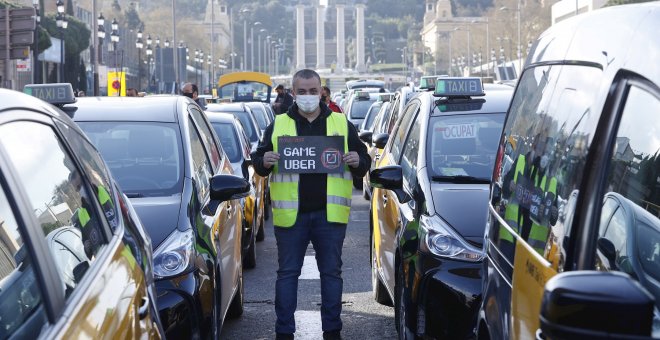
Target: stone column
(320,37)
(300,37)
(359,32)
(341,42)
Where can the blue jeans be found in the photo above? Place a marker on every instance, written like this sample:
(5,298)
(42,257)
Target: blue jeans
(327,239)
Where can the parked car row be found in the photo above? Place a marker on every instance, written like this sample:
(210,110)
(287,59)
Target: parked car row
(191,210)
(534,213)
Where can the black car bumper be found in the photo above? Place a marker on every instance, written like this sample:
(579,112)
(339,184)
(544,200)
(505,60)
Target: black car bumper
(179,304)
(448,298)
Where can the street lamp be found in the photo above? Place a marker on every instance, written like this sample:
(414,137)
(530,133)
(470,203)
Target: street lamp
(35,3)
(518,49)
(114,38)
(167,43)
(261,69)
(196,59)
(467,28)
(244,11)
(62,25)
(149,58)
(139,45)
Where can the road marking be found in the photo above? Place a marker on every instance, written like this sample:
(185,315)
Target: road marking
(309,269)
(308,325)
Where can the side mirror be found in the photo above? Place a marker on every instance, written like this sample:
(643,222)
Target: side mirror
(228,187)
(380,140)
(365,136)
(389,177)
(607,248)
(79,271)
(595,304)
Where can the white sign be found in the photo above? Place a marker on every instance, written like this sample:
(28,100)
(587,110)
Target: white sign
(103,76)
(24,65)
(53,54)
(458,131)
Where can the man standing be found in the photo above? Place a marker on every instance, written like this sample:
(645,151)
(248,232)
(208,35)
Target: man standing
(283,101)
(328,100)
(190,90)
(310,207)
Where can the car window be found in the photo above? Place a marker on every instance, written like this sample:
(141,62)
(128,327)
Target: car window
(145,158)
(463,145)
(229,140)
(62,203)
(20,297)
(410,153)
(633,178)
(394,114)
(371,115)
(248,126)
(606,213)
(202,170)
(359,108)
(260,115)
(207,137)
(547,135)
(96,173)
(401,130)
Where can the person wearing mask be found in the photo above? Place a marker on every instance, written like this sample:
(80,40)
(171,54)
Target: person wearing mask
(283,101)
(191,91)
(326,98)
(310,207)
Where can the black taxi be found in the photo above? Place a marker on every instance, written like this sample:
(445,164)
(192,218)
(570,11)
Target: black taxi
(428,209)
(74,259)
(573,235)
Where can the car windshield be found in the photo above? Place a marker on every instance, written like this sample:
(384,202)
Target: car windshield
(463,147)
(248,126)
(359,108)
(244,91)
(371,115)
(228,140)
(260,115)
(144,157)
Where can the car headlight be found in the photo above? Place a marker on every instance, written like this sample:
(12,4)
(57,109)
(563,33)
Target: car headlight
(174,255)
(443,241)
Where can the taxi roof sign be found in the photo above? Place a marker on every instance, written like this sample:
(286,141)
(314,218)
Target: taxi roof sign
(362,95)
(459,87)
(386,97)
(57,94)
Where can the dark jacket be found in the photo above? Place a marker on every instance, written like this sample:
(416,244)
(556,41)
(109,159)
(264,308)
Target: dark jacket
(312,187)
(286,101)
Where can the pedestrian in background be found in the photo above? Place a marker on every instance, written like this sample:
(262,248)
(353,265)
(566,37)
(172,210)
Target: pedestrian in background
(310,206)
(327,99)
(191,91)
(283,101)
(131,92)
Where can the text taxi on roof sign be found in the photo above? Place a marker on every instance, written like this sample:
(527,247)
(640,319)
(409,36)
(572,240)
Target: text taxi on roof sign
(429,204)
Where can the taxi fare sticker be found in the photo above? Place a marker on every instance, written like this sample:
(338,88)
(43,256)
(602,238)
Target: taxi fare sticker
(458,131)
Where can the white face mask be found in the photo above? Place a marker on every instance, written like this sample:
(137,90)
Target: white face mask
(308,103)
(544,161)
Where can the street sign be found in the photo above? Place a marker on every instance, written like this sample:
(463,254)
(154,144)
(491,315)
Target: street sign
(19,25)
(16,53)
(19,12)
(24,65)
(18,39)
(310,154)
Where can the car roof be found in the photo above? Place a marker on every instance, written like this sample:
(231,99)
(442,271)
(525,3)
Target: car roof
(139,109)
(231,107)
(220,117)
(623,40)
(17,100)
(496,100)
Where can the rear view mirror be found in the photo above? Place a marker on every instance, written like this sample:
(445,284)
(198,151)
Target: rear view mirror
(365,136)
(595,304)
(390,177)
(607,248)
(228,187)
(380,140)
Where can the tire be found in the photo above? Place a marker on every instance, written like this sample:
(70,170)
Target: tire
(378,290)
(401,309)
(236,307)
(250,259)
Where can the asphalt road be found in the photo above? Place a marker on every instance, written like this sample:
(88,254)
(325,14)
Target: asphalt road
(362,317)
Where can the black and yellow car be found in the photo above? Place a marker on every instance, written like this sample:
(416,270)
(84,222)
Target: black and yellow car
(167,158)
(428,210)
(74,260)
(573,237)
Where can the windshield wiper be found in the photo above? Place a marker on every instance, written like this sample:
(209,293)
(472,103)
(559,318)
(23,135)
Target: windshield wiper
(133,194)
(461,179)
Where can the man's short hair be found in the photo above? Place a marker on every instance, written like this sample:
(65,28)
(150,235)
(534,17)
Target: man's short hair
(194,87)
(279,87)
(306,74)
(325,88)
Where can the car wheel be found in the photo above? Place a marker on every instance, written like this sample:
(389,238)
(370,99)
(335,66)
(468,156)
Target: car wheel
(401,309)
(236,307)
(261,234)
(214,334)
(378,290)
(250,259)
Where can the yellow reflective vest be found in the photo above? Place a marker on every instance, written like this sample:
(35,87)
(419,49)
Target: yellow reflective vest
(284,187)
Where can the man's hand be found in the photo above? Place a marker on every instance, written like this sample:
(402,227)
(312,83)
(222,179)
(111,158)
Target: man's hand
(270,159)
(352,159)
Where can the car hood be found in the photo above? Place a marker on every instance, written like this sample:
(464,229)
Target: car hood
(159,215)
(463,206)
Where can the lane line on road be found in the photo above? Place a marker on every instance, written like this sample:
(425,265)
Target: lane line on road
(309,269)
(308,325)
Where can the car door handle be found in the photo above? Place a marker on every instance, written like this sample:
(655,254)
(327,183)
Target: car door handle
(385,199)
(143,311)
(377,157)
